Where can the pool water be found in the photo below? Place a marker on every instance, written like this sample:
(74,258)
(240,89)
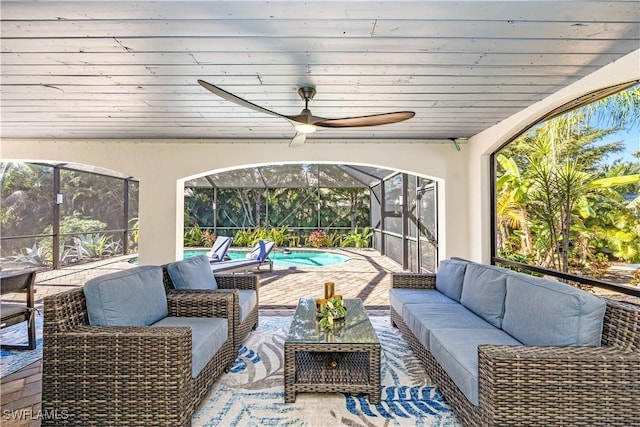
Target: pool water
(292,259)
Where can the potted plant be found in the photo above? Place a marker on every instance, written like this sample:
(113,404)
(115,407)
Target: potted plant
(333,309)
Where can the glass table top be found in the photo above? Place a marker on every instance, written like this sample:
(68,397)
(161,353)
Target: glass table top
(356,327)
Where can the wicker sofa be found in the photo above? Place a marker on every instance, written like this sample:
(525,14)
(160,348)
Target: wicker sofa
(537,377)
(152,374)
(243,287)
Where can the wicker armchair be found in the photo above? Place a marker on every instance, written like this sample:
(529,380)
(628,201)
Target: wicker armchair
(228,283)
(127,376)
(545,386)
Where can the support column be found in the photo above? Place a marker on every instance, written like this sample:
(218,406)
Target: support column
(161,213)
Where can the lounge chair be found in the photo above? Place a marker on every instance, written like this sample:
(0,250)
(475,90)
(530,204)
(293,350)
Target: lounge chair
(258,256)
(219,249)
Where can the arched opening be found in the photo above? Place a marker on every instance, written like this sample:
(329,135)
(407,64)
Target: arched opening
(347,205)
(566,192)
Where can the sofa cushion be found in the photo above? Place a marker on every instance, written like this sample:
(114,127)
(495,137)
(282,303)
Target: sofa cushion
(450,278)
(247,301)
(398,297)
(456,350)
(208,334)
(484,290)
(422,318)
(192,273)
(544,312)
(133,297)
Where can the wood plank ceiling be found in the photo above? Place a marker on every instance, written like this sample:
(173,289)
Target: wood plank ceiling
(86,69)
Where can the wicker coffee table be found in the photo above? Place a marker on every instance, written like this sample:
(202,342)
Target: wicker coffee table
(344,359)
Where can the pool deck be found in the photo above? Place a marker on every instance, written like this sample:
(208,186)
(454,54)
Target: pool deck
(365,275)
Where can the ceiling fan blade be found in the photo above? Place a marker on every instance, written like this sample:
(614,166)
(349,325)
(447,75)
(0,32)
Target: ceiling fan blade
(298,140)
(373,120)
(237,100)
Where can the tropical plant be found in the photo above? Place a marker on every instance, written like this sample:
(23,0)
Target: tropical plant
(244,238)
(317,239)
(357,239)
(33,256)
(193,236)
(559,203)
(333,309)
(95,245)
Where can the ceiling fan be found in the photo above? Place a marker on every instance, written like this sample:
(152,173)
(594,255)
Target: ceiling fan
(305,122)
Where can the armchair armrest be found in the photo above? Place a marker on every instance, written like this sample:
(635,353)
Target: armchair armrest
(413,280)
(237,281)
(558,384)
(201,303)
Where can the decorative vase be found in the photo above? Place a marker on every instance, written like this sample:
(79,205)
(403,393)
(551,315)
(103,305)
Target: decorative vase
(329,290)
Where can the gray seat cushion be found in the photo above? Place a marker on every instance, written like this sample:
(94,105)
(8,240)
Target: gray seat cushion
(456,350)
(422,318)
(450,278)
(192,273)
(247,301)
(133,297)
(544,312)
(484,290)
(398,297)
(208,334)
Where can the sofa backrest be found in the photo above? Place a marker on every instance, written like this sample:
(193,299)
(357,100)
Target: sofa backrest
(533,310)
(483,291)
(545,312)
(450,278)
(133,297)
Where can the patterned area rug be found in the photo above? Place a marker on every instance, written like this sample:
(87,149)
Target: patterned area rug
(252,394)
(13,360)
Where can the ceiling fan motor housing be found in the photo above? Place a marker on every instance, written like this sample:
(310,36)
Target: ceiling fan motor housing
(307,92)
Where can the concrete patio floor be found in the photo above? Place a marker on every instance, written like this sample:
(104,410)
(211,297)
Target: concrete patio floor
(365,275)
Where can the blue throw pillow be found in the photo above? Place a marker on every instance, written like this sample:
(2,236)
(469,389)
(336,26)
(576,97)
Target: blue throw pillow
(450,278)
(192,273)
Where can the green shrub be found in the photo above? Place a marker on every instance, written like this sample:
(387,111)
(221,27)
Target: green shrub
(357,239)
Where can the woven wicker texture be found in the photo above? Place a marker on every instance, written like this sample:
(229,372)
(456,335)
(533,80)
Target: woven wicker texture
(227,283)
(126,376)
(547,386)
(333,367)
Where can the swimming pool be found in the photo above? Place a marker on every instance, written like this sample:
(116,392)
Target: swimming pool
(292,259)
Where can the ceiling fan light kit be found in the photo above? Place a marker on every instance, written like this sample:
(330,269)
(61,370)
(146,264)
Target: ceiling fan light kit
(305,122)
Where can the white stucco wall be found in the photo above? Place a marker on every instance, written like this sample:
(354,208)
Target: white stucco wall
(162,167)
(463,176)
(481,146)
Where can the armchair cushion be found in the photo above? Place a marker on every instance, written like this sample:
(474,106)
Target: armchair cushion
(133,297)
(192,273)
(208,334)
(246,301)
